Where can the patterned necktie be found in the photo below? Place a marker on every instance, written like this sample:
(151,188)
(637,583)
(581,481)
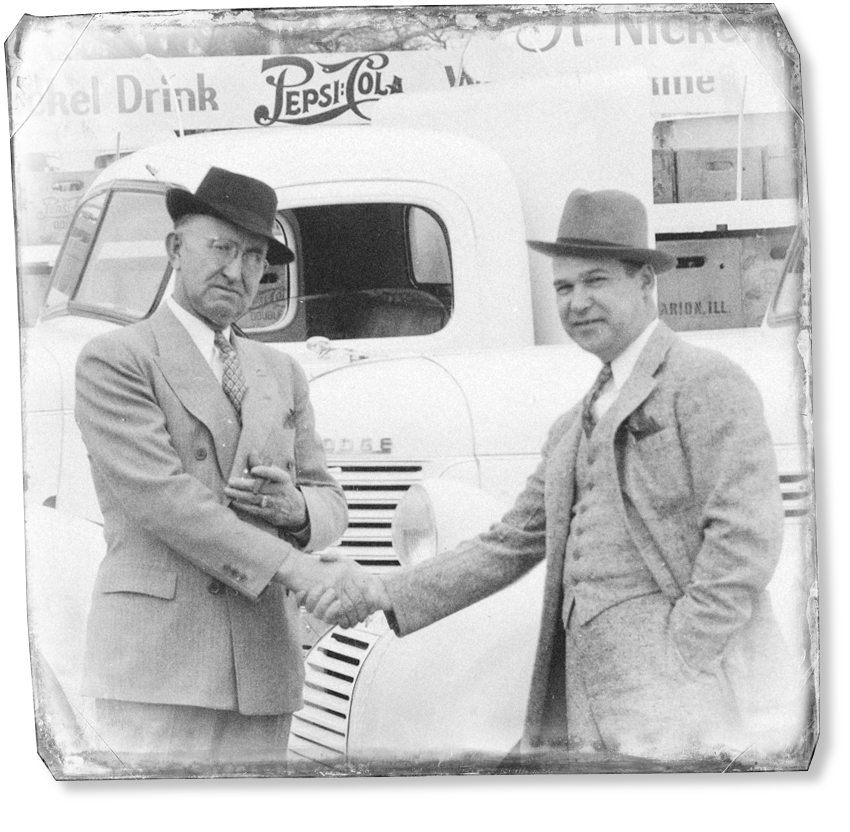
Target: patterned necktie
(588,418)
(232,379)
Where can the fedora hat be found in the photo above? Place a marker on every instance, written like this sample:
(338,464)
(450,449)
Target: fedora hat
(241,200)
(605,224)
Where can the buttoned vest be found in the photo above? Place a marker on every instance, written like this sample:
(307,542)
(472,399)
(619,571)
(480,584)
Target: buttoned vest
(603,567)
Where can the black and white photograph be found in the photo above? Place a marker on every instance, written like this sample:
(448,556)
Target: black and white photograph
(416,391)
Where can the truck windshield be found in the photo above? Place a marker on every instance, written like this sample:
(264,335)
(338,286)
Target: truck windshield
(114,261)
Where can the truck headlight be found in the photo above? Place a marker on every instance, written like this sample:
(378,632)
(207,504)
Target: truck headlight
(414,527)
(436,515)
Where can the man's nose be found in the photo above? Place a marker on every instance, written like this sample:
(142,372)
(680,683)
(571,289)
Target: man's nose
(233,270)
(580,297)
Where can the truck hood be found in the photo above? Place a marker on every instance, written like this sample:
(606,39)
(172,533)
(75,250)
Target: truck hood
(410,408)
(490,402)
(508,399)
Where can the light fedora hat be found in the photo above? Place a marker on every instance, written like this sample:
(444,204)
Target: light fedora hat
(605,224)
(241,200)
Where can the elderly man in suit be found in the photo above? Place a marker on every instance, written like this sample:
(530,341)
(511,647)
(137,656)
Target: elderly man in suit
(656,505)
(212,483)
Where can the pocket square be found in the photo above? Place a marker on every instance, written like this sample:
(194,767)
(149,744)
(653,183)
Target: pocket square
(641,425)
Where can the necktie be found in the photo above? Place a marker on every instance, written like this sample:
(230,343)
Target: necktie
(232,379)
(588,418)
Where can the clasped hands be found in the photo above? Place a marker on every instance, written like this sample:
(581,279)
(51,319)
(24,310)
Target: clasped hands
(334,588)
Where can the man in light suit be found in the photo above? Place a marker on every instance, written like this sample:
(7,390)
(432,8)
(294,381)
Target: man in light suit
(212,483)
(656,505)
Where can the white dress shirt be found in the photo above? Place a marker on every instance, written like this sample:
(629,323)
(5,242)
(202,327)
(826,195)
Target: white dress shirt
(621,369)
(202,336)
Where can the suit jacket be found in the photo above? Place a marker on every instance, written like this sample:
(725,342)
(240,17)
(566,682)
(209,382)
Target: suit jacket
(701,498)
(183,611)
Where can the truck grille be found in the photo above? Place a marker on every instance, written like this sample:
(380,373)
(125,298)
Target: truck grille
(373,491)
(796,495)
(319,734)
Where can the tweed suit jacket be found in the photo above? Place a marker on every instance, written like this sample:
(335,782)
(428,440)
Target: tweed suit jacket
(183,608)
(700,496)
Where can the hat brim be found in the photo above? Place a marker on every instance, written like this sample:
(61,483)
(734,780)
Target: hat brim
(180,202)
(659,260)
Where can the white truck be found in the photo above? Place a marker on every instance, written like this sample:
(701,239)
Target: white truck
(437,360)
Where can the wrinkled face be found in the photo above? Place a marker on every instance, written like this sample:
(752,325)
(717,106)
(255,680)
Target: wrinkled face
(602,307)
(217,267)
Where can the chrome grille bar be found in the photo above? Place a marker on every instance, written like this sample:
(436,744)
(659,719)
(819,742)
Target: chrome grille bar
(372,490)
(796,495)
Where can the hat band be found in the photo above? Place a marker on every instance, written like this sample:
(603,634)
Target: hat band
(585,241)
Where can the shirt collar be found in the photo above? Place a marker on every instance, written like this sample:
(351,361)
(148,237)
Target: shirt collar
(200,333)
(624,363)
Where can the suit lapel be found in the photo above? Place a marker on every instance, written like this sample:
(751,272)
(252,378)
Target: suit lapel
(642,380)
(259,407)
(194,383)
(560,489)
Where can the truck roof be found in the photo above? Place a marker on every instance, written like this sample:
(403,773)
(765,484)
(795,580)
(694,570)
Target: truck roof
(293,156)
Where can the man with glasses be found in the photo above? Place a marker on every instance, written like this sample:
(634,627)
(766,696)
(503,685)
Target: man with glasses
(212,482)
(656,505)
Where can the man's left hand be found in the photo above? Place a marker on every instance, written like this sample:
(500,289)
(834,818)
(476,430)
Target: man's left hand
(269,493)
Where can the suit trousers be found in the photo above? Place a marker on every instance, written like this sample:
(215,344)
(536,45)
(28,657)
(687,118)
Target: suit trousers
(161,735)
(629,690)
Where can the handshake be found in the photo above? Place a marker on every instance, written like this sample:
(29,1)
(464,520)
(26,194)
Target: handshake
(334,589)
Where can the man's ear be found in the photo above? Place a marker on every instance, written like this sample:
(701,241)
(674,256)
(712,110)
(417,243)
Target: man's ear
(173,243)
(647,277)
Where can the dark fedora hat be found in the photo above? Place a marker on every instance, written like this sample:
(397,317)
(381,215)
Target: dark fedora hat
(605,224)
(241,200)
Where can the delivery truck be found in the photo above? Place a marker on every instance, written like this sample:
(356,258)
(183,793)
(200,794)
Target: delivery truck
(437,360)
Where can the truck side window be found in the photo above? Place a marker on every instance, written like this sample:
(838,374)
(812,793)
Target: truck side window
(273,308)
(362,270)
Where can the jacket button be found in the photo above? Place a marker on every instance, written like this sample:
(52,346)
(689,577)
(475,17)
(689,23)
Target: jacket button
(200,454)
(215,587)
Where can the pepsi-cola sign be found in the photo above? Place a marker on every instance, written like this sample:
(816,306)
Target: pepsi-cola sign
(310,92)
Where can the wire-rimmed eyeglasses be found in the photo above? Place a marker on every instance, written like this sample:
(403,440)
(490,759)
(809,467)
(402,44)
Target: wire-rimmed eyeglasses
(226,251)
